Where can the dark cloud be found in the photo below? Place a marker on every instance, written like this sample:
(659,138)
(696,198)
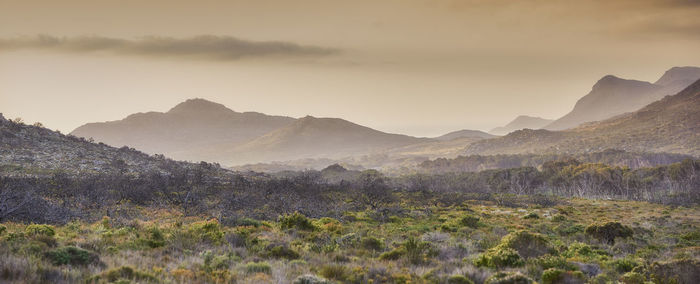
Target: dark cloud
(199,47)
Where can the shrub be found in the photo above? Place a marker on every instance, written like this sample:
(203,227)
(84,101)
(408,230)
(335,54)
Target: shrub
(632,278)
(394,254)
(334,271)
(122,273)
(71,255)
(40,229)
(296,220)
(527,244)
(470,221)
(531,215)
(310,279)
(508,278)
(609,231)
(459,279)
(559,218)
(550,261)
(258,267)
(2,229)
(554,275)
(584,252)
(281,251)
(371,243)
(415,249)
(207,231)
(623,265)
(499,257)
(155,238)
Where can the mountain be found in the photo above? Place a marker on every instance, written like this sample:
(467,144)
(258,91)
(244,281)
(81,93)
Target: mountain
(466,133)
(184,130)
(311,137)
(671,125)
(34,150)
(612,96)
(521,122)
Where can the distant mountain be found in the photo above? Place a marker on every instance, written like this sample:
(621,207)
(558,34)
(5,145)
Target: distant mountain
(34,150)
(671,125)
(311,137)
(521,122)
(186,129)
(466,133)
(613,96)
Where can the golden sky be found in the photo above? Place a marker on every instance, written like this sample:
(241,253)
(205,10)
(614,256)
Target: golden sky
(418,67)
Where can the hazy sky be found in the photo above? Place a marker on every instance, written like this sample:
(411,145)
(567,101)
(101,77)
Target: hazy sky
(418,67)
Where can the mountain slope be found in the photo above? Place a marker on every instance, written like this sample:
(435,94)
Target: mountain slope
(612,96)
(183,130)
(521,122)
(671,124)
(35,150)
(465,133)
(311,137)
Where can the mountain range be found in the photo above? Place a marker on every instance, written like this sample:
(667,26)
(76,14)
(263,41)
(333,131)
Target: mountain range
(608,117)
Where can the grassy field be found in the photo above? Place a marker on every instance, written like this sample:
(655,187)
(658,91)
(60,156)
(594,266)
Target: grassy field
(573,241)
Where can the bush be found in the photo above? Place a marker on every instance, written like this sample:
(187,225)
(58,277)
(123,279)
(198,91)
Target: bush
(508,278)
(155,239)
(207,231)
(296,220)
(71,255)
(415,249)
(371,243)
(623,265)
(394,254)
(334,271)
(2,229)
(531,215)
(310,279)
(40,229)
(528,245)
(470,221)
(632,278)
(281,251)
(122,273)
(258,267)
(584,252)
(499,257)
(459,279)
(554,275)
(609,231)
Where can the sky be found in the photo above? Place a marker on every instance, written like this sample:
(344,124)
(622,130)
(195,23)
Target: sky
(416,67)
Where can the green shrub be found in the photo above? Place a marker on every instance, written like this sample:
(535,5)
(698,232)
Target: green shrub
(550,261)
(499,257)
(623,265)
(528,245)
(334,271)
(584,252)
(122,273)
(40,229)
(569,229)
(554,275)
(2,229)
(531,215)
(508,278)
(258,267)
(470,221)
(632,278)
(459,279)
(71,255)
(310,279)
(371,243)
(415,249)
(296,220)
(207,231)
(155,238)
(559,218)
(394,254)
(281,251)
(607,232)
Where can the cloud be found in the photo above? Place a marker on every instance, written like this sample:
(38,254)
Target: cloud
(208,47)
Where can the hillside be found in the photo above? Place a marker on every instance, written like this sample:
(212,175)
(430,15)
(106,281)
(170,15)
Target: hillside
(184,130)
(669,125)
(34,150)
(521,122)
(311,137)
(612,96)
(465,133)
